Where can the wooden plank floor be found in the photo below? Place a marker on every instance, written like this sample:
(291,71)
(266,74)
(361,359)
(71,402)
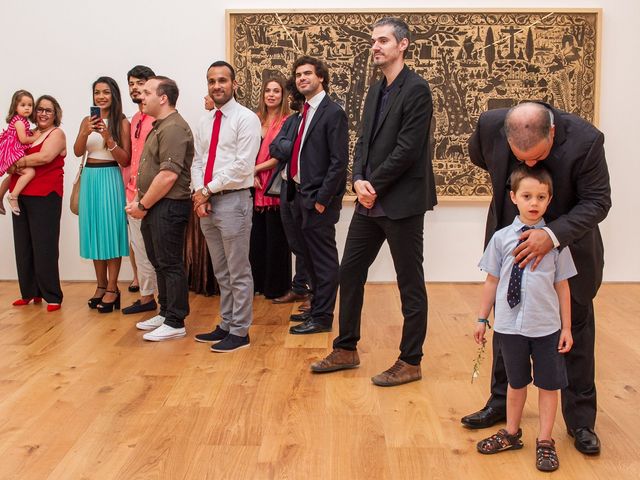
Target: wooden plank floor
(83,397)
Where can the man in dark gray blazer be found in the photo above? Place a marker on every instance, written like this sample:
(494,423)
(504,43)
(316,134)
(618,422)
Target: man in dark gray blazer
(573,152)
(393,179)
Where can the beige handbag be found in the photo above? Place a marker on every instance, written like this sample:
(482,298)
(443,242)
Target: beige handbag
(74,201)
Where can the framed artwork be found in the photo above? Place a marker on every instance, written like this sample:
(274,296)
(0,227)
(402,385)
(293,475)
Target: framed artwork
(473,60)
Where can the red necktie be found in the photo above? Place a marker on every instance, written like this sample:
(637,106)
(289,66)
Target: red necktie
(213,146)
(296,145)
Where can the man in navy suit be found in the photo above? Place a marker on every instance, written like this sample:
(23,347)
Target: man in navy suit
(316,174)
(393,179)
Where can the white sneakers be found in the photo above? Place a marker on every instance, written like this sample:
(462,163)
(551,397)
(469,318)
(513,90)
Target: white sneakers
(160,330)
(164,332)
(151,324)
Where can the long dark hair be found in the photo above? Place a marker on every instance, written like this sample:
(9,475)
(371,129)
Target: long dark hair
(115,111)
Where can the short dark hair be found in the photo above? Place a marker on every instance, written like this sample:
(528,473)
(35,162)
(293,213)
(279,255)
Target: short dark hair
(167,87)
(222,63)
(537,172)
(525,133)
(400,28)
(321,69)
(140,71)
(57,109)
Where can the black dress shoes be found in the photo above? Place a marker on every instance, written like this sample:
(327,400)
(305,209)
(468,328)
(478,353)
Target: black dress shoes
(300,317)
(138,307)
(309,326)
(586,440)
(484,418)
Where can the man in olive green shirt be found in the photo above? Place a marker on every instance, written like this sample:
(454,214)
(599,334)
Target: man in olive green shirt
(164,207)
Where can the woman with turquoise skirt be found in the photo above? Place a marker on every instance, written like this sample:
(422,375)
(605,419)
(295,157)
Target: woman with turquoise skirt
(102,220)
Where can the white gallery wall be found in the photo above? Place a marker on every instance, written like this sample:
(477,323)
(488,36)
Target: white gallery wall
(59,48)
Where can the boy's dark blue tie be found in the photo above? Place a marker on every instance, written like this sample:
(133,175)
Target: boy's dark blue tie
(515,280)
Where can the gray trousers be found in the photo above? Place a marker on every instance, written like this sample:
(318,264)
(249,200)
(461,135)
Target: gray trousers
(227,230)
(146,272)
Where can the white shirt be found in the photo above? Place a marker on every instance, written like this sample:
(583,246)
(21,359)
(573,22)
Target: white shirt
(313,102)
(238,146)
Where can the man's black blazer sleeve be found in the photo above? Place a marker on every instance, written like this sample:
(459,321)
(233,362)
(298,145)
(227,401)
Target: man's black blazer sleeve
(475,147)
(357,169)
(282,146)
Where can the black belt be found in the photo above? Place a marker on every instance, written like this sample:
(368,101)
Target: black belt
(224,192)
(101,164)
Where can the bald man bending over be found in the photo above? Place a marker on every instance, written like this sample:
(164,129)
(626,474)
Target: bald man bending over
(573,152)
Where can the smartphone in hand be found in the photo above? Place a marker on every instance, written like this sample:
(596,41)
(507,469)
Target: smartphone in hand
(94,112)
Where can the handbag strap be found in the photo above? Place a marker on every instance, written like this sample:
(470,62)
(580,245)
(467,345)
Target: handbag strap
(84,159)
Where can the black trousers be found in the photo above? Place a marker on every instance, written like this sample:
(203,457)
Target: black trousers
(366,236)
(36,235)
(163,230)
(301,282)
(320,255)
(579,401)
(269,254)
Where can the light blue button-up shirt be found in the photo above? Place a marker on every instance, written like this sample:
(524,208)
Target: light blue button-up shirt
(538,313)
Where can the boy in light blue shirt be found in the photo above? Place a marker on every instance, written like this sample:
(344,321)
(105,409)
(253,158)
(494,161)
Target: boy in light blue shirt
(532,310)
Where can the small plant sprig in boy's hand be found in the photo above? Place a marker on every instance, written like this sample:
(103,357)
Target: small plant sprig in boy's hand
(566,340)
(487,302)
(478,335)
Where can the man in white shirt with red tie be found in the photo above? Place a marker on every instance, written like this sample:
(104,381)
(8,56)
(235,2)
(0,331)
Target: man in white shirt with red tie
(227,141)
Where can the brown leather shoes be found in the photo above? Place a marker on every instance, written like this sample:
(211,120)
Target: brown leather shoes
(339,359)
(401,372)
(291,297)
(306,306)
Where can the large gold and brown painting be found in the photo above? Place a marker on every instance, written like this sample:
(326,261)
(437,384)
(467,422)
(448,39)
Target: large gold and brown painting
(473,60)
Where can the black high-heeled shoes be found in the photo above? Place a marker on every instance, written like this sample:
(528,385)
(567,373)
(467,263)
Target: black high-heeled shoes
(108,307)
(94,301)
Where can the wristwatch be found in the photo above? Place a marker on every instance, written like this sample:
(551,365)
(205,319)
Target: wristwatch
(205,191)
(142,207)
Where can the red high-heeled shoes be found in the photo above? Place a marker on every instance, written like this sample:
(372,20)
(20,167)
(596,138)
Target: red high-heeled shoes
(52,307)
(26,301)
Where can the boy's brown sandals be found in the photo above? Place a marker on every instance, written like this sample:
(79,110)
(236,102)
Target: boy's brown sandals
(500,442)
(546,456)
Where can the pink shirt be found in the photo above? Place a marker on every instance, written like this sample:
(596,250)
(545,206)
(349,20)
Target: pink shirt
(141,125)
(260,199)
